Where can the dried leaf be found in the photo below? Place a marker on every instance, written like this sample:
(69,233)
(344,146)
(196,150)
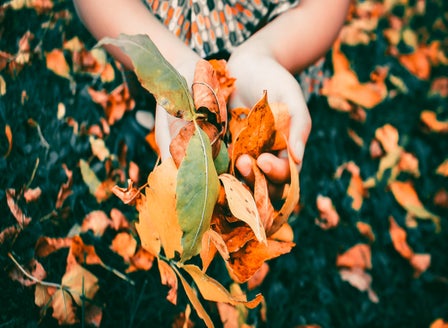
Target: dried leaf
(99,148)
(81,283)
(398,236)
(442,169)
(407,197)
(211,243)
(366,230)
(127,195)
(358,256)
(328,216)
(292,197)
(82,253)
(282,120)
(15,209)
(96,221)
(248,260)
(196,193)
(429,118)
(262,199)
(194,300)
(146,229)
(258,278)
(56,62)
(361,280)
(64,311)
(212,290)
(160,209)
(156,74)
(439,323)
(8,134)
(259,133)
(47,245)
(387,135)
(141,260)
(420,263)
(242,205)
(124,245)
(34,268)
(168,278)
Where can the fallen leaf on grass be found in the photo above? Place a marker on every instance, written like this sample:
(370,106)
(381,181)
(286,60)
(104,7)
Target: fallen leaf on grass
(366,230)
(57,63)
(429,118)
(328,216)
(358,256)
(361,280)
(407,197)
(439,323)
(47,245)
(34,268)
(442,169)
(124,245)
(96,221)
(398,236)
(8,134)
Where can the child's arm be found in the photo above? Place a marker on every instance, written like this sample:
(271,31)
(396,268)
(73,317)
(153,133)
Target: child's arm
(112,17)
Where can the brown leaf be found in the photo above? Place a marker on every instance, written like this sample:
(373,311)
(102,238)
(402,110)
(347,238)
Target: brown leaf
(15,209)
(82,253)
(206,92)
(226,82)
(238,120)
(64,311)
(65,190)
(282,120)
(258,278)
(168,278)
(32,195)
(119,220)
(358,256)
(127,195)
(80,282)
(245,262)
(258,135)
(34,268)
(328,216)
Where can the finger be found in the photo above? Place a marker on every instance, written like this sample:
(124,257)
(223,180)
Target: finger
(275,168)
(163,137)
(244,167)
(299,130)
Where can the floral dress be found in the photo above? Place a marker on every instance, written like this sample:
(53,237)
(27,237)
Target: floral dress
(213,28)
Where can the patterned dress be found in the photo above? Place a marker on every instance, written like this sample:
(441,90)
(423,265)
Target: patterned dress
(213,28)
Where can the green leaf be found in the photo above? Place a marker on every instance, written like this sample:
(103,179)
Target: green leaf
(222,161)
(197,192)
(89,177)
(156,74)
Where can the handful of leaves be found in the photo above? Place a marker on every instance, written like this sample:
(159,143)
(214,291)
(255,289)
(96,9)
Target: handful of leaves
(194,204)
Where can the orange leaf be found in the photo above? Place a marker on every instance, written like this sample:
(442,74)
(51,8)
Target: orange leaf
(248,260)
(238,120)
(358,256)
(168,278)
(366,230)
(442,169)
(417,63)
(328,217)
(206,91)
(124,245)
(407,197)
(429,118)
(282,120)
(398,236)
(226,83)
(259,133)
(16,211)
(142,260)
(387,135)
(119,220)
(284,233)
(56,62)
(82,253)
(361,280)
(8,134)
(212,242)
(127,195)
(258,278)
(439,323)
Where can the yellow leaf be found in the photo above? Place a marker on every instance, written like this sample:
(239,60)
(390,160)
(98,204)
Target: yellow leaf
(212,290)
(80,282)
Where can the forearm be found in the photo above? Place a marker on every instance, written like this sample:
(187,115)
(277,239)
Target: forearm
(299,37)
(109,18)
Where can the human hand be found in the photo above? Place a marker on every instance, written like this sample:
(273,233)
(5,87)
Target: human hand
(256,71)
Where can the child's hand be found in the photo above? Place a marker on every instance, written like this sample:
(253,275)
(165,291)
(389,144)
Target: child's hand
(255,72)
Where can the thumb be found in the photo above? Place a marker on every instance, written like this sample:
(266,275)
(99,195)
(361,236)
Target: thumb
(299,130)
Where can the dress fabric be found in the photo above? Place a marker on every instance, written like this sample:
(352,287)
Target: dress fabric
(214,27)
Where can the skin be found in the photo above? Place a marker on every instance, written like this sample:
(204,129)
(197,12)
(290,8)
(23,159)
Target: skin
(282,48)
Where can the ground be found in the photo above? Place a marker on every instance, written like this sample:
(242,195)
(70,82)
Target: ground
(374,151)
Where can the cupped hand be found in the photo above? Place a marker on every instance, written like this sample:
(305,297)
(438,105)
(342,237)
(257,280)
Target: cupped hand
(256,71)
